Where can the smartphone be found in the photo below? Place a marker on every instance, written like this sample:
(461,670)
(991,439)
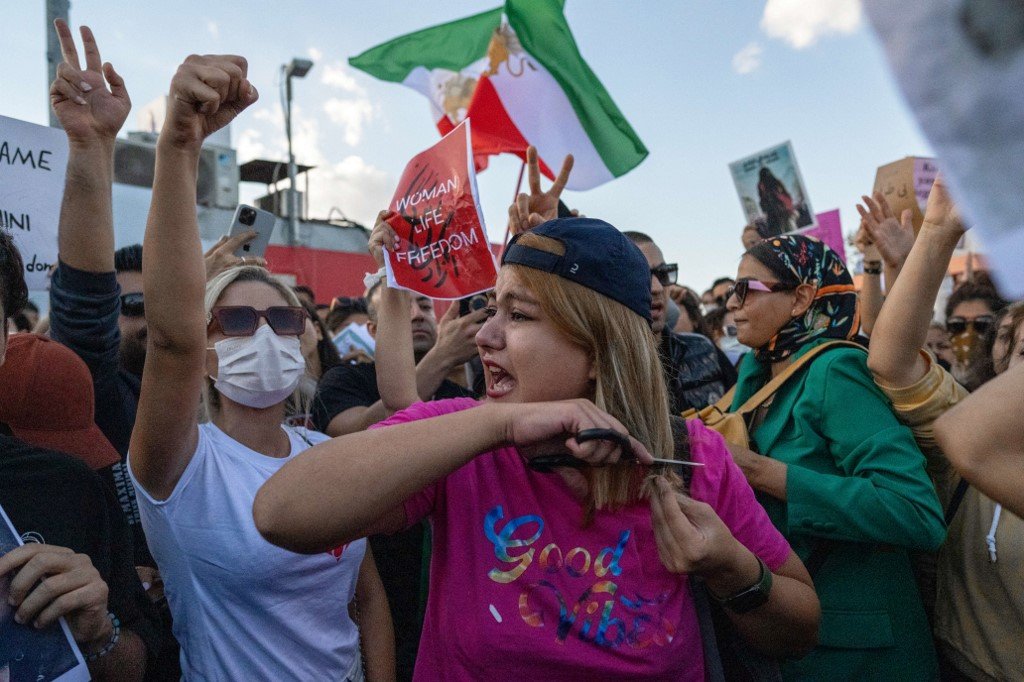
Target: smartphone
(472,303)
(248,219)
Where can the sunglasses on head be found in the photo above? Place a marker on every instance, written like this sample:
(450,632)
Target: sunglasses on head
(132,305)
(667,273)
(244,320)
(745,286)
(958,325)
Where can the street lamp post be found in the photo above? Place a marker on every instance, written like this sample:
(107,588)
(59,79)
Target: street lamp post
(297,68)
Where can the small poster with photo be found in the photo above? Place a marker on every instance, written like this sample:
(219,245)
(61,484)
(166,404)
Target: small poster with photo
(28,654)
(772,192)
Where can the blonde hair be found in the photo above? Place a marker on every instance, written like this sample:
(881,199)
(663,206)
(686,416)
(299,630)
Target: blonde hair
(629,383)
(215,288)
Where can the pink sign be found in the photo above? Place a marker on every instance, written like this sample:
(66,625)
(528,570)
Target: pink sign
(830,231)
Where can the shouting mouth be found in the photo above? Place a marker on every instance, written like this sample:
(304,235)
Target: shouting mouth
(499,382)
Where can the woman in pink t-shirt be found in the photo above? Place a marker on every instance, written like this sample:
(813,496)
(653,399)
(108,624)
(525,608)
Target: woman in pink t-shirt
(578,574)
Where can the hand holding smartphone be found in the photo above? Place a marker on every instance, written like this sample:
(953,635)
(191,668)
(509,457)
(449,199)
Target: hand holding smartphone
(249,219)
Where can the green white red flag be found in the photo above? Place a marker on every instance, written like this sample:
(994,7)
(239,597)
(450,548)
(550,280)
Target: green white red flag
(517,73)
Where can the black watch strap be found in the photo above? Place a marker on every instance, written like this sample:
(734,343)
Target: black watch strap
(749,598)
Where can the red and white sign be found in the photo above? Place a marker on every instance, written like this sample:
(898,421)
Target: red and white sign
(443,250)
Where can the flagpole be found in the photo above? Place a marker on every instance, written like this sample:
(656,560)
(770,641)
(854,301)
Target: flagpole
(519,184)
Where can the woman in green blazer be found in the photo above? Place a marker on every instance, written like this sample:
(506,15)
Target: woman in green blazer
(839,476)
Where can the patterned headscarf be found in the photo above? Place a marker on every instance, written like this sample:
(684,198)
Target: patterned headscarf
(834,313)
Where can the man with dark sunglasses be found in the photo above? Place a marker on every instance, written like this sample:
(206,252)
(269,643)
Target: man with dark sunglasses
(697,372)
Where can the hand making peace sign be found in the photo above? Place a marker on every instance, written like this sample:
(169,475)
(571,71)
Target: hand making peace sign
(80,98)
(530,210)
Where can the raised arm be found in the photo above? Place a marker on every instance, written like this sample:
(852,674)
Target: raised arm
(983,436)
(206,94)
(91,115)
(394,358)
(871,296)
(893,235)
(530,210)
(902,326)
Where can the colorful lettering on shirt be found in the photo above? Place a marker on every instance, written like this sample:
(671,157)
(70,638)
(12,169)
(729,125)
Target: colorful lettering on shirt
(601,613)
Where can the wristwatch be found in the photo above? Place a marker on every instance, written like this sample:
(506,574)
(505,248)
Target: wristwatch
(750,598)
(872,267)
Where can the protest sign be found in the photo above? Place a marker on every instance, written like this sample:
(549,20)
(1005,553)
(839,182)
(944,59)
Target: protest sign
(28,654)
(443,250)
(355,338)
(829,230)
(960,66)
(33,160)
(771,191)
(905,184)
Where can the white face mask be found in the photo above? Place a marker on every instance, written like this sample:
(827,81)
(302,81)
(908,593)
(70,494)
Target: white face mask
(259,370)
(732,348)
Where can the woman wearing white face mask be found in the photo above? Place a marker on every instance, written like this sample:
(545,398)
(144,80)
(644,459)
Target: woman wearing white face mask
(242,608)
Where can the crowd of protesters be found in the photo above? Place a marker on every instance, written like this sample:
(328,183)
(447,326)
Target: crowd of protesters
(600,474)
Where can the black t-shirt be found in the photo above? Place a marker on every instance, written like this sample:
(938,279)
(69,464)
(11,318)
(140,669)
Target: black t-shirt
(55,499)
(346,386)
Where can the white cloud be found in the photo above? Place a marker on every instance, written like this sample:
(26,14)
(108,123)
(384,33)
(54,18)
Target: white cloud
(350,114)
(213,28)
(249,144)
(748,59)
(338,74)
(352,185)
(315,54)
(802,22)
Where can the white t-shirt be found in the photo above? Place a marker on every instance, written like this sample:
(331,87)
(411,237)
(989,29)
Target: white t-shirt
(244,609)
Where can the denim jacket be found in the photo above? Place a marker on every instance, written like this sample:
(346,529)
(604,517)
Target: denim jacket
(84,307)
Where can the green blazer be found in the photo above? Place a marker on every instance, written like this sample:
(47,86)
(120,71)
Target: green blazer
(856,477)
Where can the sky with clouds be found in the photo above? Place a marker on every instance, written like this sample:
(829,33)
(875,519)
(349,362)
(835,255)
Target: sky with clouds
(703,83)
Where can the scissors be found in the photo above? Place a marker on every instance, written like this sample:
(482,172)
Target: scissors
(547,463)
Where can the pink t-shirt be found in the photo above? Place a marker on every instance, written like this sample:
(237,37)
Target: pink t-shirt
(520,590)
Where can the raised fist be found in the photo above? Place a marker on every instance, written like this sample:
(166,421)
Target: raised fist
(207,93)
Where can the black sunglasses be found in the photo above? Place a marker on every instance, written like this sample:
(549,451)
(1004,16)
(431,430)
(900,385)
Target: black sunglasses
(244,320)
(958,325)
(745,286)
(667,273)
(133,305)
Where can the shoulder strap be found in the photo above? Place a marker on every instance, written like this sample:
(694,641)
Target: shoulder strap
(713,669)
(956,500)
(775,384)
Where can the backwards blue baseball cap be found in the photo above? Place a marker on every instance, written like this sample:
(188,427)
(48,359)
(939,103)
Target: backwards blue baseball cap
(597,256)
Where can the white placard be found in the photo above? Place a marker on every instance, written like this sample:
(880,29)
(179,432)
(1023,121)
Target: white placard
(27,654)
(961,66)
(33,160)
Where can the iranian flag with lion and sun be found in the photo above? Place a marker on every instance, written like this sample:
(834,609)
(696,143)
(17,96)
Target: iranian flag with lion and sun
(517,73)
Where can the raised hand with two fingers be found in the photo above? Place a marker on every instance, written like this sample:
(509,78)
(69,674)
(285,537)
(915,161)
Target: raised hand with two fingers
(530,210)
(91,103)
